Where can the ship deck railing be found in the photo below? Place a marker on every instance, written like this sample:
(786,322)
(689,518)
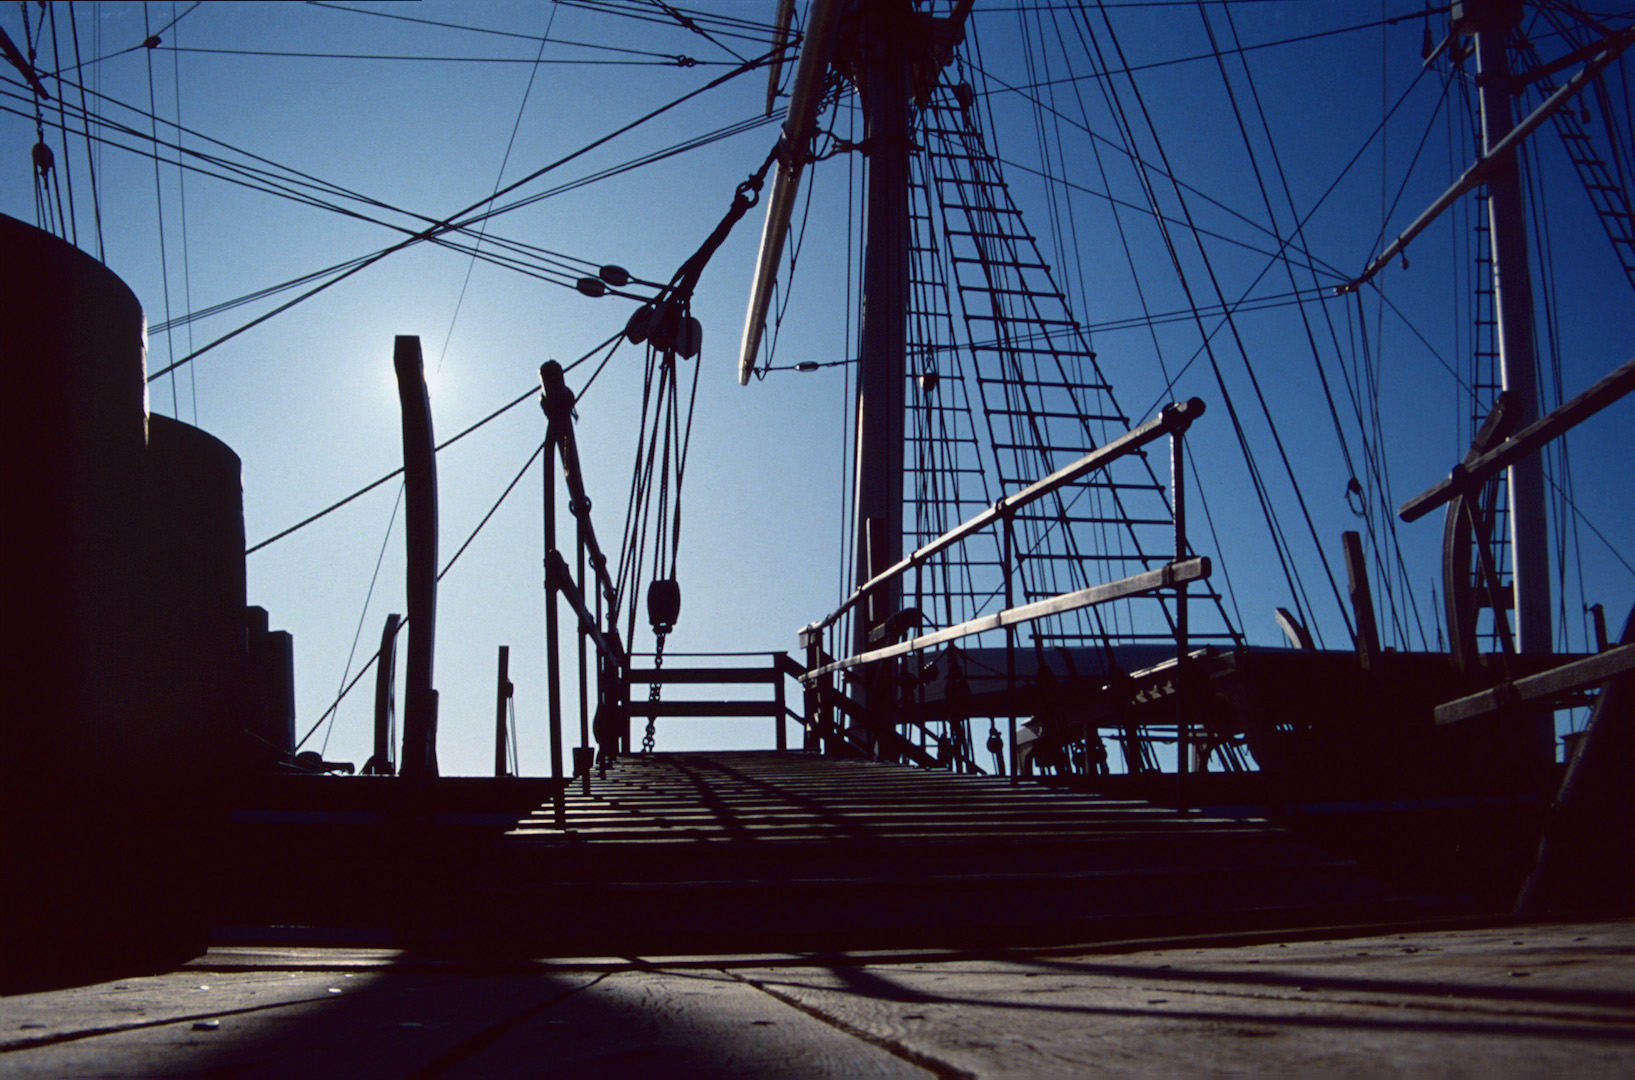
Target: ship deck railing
(888,634)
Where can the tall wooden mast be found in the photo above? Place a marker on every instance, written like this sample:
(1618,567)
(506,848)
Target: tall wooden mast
(892,54)
(1490,21)
(881,69)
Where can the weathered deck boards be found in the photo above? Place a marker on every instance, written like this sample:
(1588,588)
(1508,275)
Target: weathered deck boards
(1543,999)
(767,850)
(757,851)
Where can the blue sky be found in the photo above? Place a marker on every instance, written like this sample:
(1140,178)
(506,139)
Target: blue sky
(308,400)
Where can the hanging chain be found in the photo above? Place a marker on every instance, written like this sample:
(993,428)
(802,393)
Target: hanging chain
(654,689)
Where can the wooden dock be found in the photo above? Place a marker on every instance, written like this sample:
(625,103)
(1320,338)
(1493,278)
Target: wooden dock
(1502,1000)
(752,914)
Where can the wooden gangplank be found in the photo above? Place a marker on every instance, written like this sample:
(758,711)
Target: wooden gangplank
(766,851)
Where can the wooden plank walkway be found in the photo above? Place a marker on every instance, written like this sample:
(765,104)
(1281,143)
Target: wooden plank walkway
(760,850)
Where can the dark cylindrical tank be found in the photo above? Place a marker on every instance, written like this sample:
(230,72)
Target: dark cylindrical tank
(193,614)
(122,589)
(72,434)
(268,738)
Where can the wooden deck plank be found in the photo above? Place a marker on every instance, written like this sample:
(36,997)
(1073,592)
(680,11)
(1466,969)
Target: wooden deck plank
(1496,999)
(763,849)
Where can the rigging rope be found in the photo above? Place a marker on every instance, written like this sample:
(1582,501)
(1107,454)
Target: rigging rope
(499,178)
(476,211)
(659,60)
(72,235)
(663,437)
(680,60)
(570,271)
(159,198)
(363,616)
(1376,464)
(530,395)
(90,158)
(1259,483)
(336,704)
(43,159)
(181,198)
(725,25)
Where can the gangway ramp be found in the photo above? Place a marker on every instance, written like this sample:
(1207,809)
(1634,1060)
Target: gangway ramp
(776,851)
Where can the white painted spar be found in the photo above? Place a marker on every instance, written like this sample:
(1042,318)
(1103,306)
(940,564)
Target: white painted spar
(804,98)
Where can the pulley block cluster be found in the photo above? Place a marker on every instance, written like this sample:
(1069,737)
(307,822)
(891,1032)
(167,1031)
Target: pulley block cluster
(668,327)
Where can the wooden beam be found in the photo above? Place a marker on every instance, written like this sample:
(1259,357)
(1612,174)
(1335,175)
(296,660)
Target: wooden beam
(502,695)
(1478,173)
(1176,417)
(1299,637)
(1619,383)
(420,544)
(1194,569)
(805,96)
(385,698)
(780,41)
(1542,688)
(1362,601)
(704,709)
(705,675)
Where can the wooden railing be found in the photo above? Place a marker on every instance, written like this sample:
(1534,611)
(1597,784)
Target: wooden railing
(883,629)
(774,674)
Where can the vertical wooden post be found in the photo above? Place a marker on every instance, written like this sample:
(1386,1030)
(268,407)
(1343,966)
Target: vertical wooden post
(584,689)
(385,699)
(621,688)
(915,661)
(1010,647)
(420,516)
(1362,601)
(780,735)
(877,689)
(832,719)
(557,404)
(1183,727)
(812,639)
(502,695)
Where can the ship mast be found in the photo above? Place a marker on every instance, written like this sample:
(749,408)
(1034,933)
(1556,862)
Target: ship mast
(892,54)
(1489,21)
(882,71)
